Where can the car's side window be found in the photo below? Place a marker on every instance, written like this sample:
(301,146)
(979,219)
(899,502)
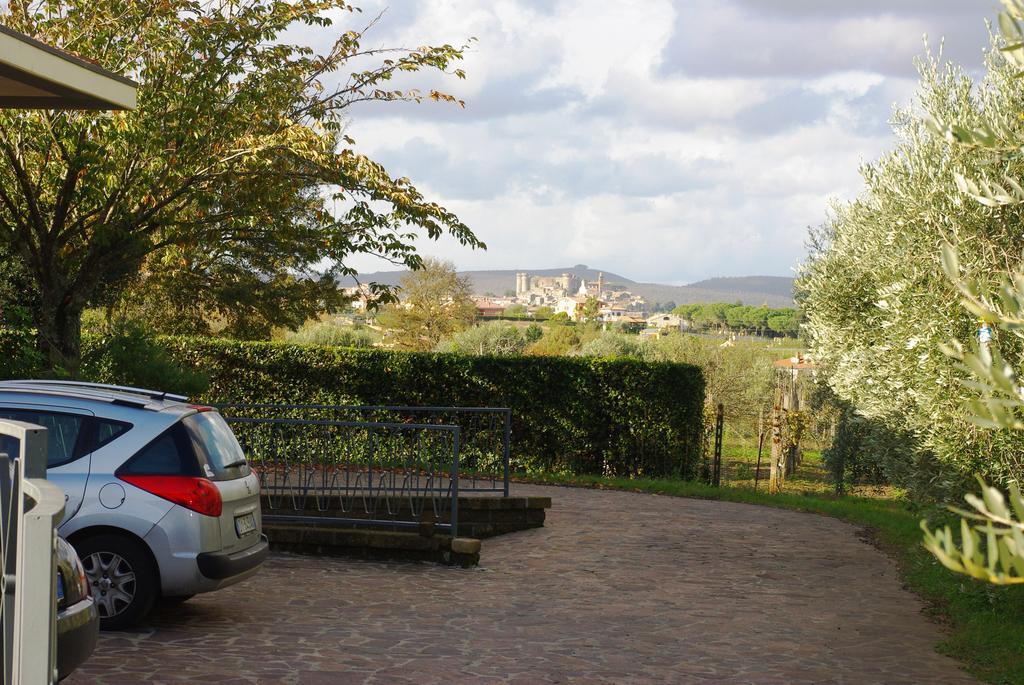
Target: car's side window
(107,430)
(63,432)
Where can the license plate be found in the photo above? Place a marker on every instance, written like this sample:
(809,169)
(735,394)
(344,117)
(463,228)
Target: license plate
(245,524)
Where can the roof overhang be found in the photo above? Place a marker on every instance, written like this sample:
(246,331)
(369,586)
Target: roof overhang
(34,75)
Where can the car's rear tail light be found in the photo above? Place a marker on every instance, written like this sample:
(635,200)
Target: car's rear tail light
(200,407)
(197,494)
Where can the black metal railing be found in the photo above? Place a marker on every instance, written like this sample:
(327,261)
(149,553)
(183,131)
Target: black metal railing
(485,432)
(358,473)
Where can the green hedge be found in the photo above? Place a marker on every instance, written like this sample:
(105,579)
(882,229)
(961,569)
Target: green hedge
(570,414)
(578,415)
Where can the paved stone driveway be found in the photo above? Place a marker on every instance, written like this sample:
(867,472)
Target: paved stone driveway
(677,591)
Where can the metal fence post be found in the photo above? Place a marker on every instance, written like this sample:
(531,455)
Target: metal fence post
(455,483)
(719,427)
(507,447)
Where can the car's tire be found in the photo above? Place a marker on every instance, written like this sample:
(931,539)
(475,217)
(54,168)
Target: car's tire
(122,578)
(174,600)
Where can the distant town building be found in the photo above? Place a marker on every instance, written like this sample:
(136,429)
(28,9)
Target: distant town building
(573,306)
(358,296)
(555,291)
(489,308)
(544,289)
(667,321)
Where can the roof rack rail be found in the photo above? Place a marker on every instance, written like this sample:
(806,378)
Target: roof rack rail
(151,394)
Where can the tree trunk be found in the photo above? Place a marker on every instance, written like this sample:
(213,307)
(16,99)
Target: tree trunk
(777,465)
(60,333)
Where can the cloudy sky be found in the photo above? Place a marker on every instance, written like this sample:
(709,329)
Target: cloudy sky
(666,141)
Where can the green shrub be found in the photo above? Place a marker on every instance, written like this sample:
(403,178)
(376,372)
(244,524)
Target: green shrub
(491,338)
(576,415)
(128,355)
(19,357)
(556,340)
(865,451)
(612,345)
(331,333)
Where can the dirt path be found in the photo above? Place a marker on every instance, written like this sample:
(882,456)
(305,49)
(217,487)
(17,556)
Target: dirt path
(618,588)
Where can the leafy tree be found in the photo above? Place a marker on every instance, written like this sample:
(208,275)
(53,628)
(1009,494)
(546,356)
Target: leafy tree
(591,311)
(687,311)
(435,304)
(515,310)
(866,451)
(559,318)
(991,545)
(629,328)
(712,315)
(612,345)
(741,377)
(198,297)
(493,338)
(544,312)
(557,340)
(18,296)
(785,323)
(219,187)
(332,333)
(875,294)
(533,333)
(739,318)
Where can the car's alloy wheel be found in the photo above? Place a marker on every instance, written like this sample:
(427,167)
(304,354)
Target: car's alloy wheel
(112,580)
(123,580)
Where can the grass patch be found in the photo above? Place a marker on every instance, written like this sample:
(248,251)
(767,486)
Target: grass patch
(986,622)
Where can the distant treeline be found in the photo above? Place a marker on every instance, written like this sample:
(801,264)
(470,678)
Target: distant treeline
(741,318)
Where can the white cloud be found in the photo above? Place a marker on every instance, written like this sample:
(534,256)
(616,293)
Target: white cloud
(666,141)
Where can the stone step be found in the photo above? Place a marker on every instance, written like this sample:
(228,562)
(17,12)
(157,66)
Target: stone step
(368,543)
(479,516)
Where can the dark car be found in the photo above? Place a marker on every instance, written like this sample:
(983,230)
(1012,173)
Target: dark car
(78,621)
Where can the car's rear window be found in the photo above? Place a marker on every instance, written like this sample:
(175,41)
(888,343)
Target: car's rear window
(212,438)
(168,455)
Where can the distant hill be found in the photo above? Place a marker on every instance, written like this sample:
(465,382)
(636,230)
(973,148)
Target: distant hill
(774,285)
(775,291)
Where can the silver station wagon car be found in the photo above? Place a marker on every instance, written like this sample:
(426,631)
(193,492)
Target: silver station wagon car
(160,502)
